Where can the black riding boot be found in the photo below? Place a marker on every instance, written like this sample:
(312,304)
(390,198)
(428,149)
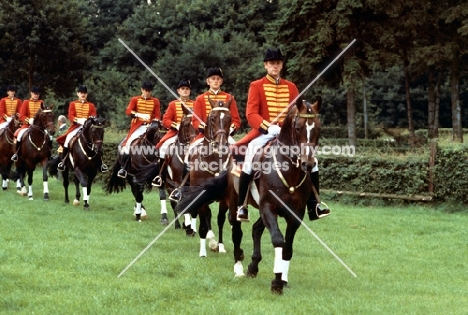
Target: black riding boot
(122,173)
(176,194)
(61,165)
(14,157)
(313,207)
(242,212)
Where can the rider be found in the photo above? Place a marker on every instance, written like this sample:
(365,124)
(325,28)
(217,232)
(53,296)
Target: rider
(172,117)
(28,109)
(201,110)
(267,98)
(9,106)
(142,109)
(78,112)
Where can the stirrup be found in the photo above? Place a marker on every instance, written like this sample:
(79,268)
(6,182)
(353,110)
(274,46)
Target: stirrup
(242,214)
(61,166)
(175,195)
(319,213)
(104,168)
(122,173)
(157,181)
(14,158)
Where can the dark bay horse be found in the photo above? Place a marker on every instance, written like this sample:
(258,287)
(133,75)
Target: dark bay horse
(280,188)
(36,148)
(7,149)
(143,153)
(84,159)
(172,165)
(208,160)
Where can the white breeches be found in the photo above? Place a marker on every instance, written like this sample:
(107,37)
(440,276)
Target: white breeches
(21,133)
(3,124)
(165,145)
(138,132)
(71,135)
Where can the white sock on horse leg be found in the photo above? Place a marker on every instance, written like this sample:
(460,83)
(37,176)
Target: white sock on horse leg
(30,191)
(202,247)
(284,275)
(18,183)
(163,206)
(194,224)
(278,266)
(187,219)
(138,208)
(46,187)
(4,184)
(85,193)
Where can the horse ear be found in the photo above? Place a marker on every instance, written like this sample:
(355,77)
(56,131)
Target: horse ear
(318,104)
(212,102)
(300,102)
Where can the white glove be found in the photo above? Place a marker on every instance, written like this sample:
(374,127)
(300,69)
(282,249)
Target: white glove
(231,130)
(8,119)
(145,117)
(274,130)
(31,121)
(81,121)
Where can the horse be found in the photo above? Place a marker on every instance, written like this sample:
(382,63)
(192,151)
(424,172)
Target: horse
(7,149)
(208,160)
(171,171)
(36,147)
(143,153)
(281,188)
(84,159)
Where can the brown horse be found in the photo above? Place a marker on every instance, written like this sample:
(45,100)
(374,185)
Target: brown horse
(208,160)
(36,148)
(281,188)
(171,171)
(143,153)
(84,159)
(7,149)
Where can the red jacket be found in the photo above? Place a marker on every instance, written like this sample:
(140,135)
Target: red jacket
(171,119)
(202,108)
(8,107)
(28,110)
(265,101)
(77,109)
(138,104)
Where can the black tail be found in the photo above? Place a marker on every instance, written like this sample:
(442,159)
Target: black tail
(212,190)
(52,166)
(115,183)
(144,175)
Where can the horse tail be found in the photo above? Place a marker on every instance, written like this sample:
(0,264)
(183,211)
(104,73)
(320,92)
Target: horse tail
(52,166)
(145,174)
(115,184)
(212,190)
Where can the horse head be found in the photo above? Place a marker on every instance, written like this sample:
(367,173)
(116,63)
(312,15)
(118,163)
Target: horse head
(93,131)
(44,119)
(186,130)
(301,132)
(218,123)
(153,134)
(15,122)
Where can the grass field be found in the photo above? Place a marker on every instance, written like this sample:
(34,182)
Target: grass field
(60,259)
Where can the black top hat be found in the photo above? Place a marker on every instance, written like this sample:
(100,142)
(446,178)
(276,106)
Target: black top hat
(273,54)
(11,88)
(83,89)
(184,83)
(36,89)
(215,71)
(147,85)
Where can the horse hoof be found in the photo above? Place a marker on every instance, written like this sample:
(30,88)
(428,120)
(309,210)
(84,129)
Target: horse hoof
(221,248)
(277,287)
(86,207)
(67,201)
(30,198)
(164,222)
(46,197)
(177,225)
(4,188)
(76,202)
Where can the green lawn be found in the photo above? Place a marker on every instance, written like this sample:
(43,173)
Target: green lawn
(60,259)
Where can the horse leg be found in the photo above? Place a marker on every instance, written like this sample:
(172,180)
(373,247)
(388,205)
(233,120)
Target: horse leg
(45,178)
(270,221)
(76,201)
(257,231)
(30,181)
(291,230)
(205,219)
(162,199)
(4,181)
(236,234)
(138,194)
(223,208)
(66,182)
